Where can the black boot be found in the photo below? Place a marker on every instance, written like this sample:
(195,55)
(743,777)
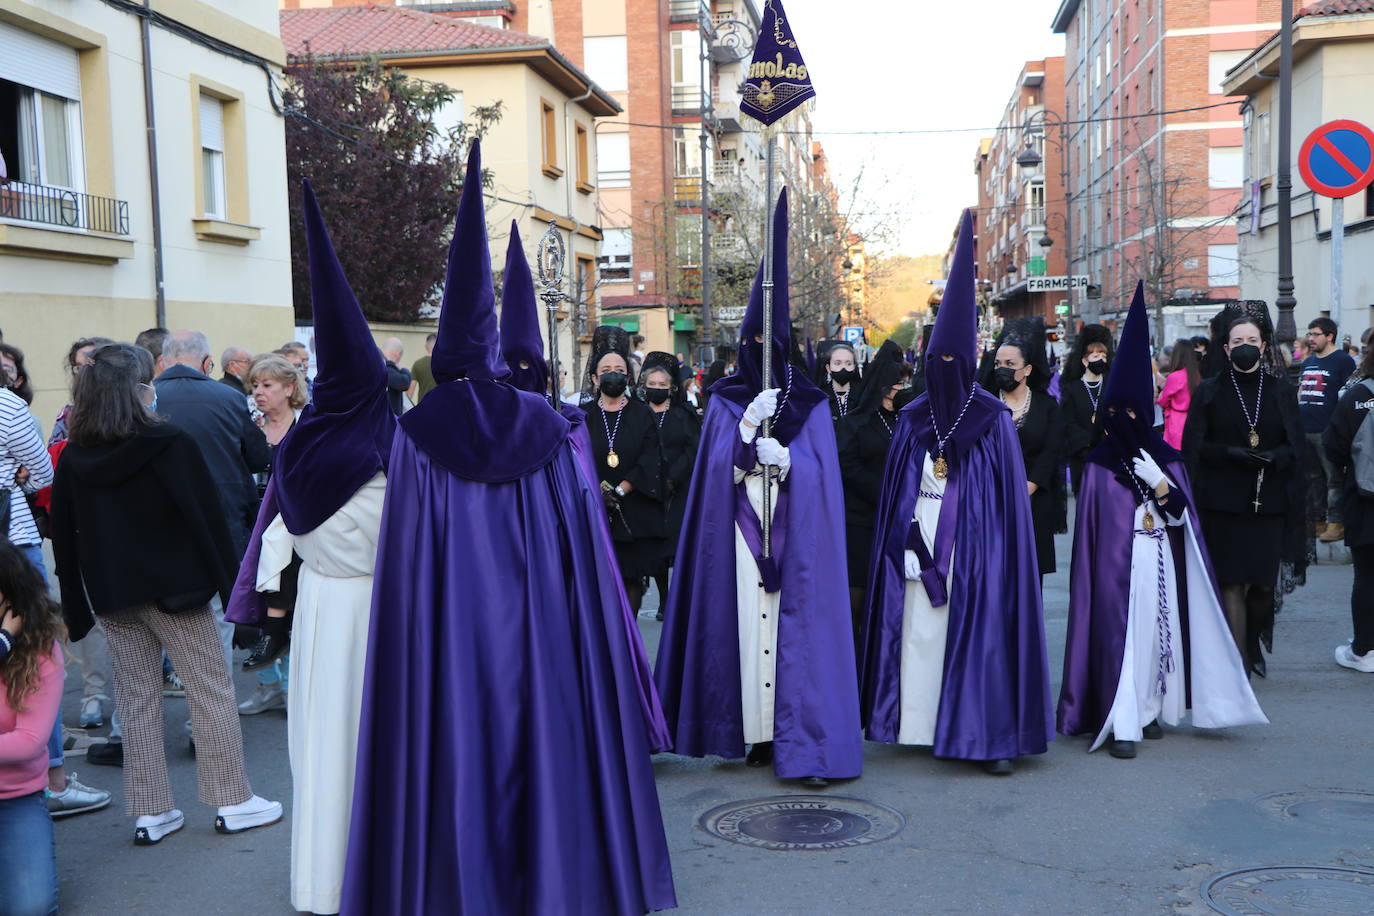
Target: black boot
(760,755)
(1121,750)
(274,642)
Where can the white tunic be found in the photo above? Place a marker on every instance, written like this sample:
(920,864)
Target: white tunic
(758,625)
(924,629)
(328,657)
(1221,694)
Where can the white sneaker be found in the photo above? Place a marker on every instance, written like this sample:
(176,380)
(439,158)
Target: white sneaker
(75,799)
(267,696)
(256,812)
(92,712)
(1346,658)
(149,829)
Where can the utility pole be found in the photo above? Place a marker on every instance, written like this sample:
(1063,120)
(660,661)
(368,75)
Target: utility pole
(1286,330)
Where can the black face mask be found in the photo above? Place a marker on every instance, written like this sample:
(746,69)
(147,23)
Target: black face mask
(843,376)
(1005,378)
(613,384)
(903,398)
(657,395)
(1099,365)
(1245,356)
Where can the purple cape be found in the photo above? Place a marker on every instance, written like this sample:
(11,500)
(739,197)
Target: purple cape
(995,695)
(1099,591)
(816,721)
(503,765)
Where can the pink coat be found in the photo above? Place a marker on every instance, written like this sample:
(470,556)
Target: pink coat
(1175,398)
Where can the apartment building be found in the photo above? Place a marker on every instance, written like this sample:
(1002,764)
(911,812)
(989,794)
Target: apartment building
(1155,147)
(84,225)
(1333,70)
(1021,219)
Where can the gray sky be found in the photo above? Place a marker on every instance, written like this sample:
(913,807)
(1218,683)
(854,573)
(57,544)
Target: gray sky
(916,64)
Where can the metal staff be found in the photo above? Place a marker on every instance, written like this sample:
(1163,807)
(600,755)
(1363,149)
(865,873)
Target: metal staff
(550,260)
(767,429)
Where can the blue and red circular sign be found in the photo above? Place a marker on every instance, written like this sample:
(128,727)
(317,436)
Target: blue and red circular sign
(1337,159)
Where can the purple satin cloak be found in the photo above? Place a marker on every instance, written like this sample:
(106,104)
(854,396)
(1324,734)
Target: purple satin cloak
(816,714)
(246,604)
(654,723)
(995,695)
(1099,594)
(503,765)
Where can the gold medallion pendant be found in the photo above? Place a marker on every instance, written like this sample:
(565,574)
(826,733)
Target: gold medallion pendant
(941,467)
(1254,438)
(1149,521)
(612,459)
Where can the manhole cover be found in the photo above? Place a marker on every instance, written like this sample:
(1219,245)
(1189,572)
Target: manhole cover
(1338,808)
(1292,890)
(803,822)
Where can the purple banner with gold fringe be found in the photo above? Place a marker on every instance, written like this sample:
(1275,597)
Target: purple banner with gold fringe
(778,81)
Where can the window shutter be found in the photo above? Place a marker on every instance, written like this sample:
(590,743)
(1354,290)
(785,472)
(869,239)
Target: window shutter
(39,63)
(211,123)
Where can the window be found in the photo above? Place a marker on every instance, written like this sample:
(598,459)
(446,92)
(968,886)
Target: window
(450,114)
(584,162)
(616,260)
(1035,202)
(212,201)
(1223,265)
(1218,62)
(1225,167)
(548,123)
(1259,145)
(613,160)
(607,62)
(40,136)
(686,60)
(689,241)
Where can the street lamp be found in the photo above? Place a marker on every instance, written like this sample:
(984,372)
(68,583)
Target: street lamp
(1046,242)
(1031,162)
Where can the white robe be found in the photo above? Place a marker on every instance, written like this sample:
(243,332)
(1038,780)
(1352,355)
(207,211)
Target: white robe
(328,658)
(758,625)
(1221,694)
(924,629)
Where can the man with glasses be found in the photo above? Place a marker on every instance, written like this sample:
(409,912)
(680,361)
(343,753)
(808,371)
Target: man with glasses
(1323,375)
(235,362)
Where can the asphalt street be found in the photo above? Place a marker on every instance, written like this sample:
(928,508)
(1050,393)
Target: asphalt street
(1068,833)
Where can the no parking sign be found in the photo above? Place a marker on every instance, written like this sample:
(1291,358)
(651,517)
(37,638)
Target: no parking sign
(1337,159)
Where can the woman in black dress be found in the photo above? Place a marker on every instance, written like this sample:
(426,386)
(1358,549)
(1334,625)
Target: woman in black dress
(624,437)
(841,379)
(678,434)
(1085,370)
(1242,442)
(864,437)
(1019,376)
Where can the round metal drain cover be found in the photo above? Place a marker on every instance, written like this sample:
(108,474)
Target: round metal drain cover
(1338,808)
(1292,890)
(788,822)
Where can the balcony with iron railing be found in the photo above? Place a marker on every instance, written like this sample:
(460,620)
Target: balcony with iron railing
(688,100)
(36,203)
(687,188)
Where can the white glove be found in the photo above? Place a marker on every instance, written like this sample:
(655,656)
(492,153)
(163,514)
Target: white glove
(763,407)
(773,453)
(912,564)
(1147,470)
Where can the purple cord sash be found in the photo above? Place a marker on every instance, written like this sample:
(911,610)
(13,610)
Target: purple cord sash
(749,525)
(935,570)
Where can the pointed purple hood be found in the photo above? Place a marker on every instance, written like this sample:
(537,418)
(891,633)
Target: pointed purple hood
(522,347)
(948,382)
(800,394)
(343,437)
(1130,384)
(468,345)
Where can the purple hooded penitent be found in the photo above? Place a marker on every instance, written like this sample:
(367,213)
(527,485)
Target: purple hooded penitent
(343,437)
(523,349)
(994,697)
(503,764)
(816,726)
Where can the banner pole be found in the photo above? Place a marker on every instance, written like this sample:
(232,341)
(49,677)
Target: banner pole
(766,430)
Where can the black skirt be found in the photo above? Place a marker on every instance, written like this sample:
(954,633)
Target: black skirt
(1246,549)
(639,558)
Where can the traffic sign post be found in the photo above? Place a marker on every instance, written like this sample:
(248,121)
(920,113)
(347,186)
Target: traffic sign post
(854,334)
(1336,161)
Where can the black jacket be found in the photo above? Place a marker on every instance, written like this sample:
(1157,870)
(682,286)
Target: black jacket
(397,384)
(864,440)
(636,447)
(217,419)
(235,384)
(1080,430)
(678,436)
(1220,483)
(1357,511)
(137,522)
(1041,436)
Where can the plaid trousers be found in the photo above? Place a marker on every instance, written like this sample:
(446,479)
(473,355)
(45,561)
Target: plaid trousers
(137,638)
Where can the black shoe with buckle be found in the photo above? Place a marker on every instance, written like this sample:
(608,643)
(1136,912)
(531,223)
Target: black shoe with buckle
(268,649)
(760,755)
